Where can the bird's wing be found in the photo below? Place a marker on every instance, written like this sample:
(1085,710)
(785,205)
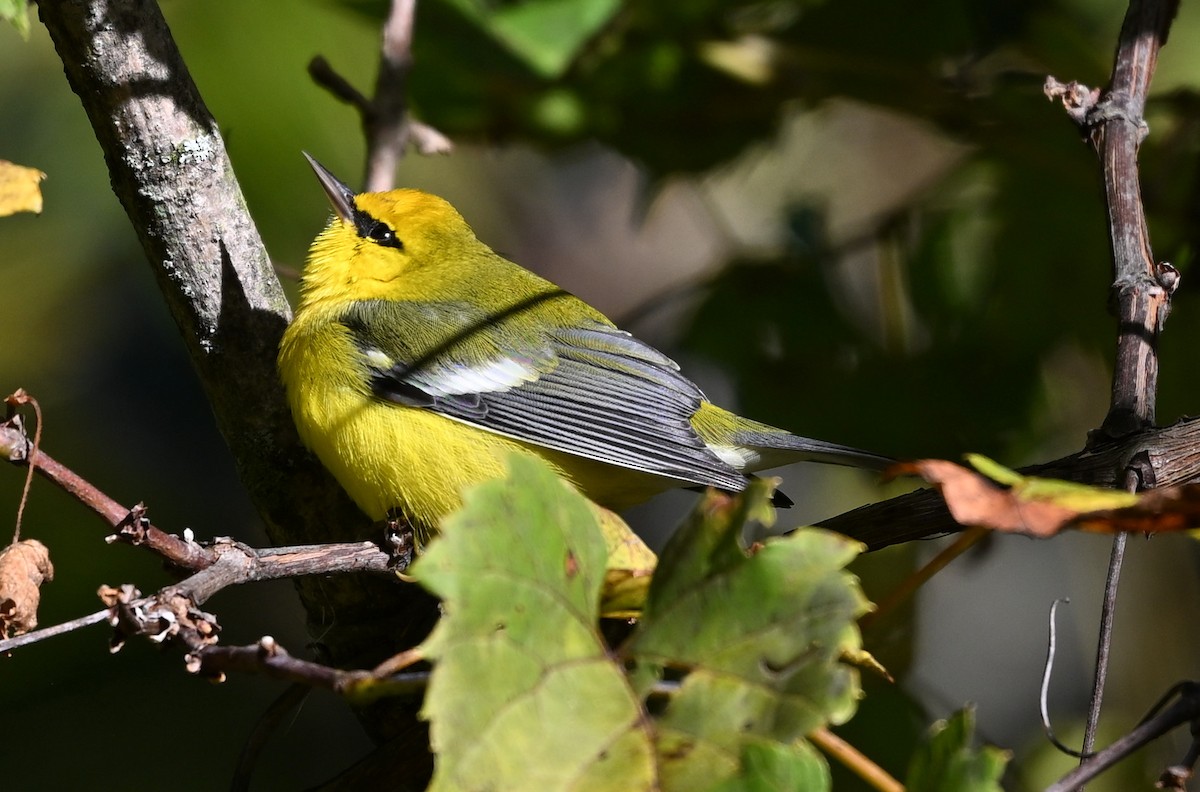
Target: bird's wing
(590,390)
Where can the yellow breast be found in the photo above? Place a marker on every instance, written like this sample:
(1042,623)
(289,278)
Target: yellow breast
(384,455)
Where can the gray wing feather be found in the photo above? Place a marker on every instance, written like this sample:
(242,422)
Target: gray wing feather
(593,391)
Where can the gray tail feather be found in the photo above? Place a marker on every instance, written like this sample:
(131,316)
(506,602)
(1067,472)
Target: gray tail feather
(794,448)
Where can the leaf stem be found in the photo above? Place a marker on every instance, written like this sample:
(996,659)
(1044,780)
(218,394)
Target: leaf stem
(851,758)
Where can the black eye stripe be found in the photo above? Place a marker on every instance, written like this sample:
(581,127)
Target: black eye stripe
(375,230)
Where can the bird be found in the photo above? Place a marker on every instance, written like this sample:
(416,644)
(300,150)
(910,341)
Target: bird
(419,359)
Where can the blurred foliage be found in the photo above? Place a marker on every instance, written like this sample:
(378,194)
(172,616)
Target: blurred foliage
(720,76)
(963,313)
(16,13)
(948,762)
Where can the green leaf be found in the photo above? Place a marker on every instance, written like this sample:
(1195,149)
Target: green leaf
(761,637)
(16,12)
(773,767)
(524,694)
(546,34)
(948,763)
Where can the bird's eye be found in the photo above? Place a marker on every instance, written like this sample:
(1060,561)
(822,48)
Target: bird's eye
(382,234)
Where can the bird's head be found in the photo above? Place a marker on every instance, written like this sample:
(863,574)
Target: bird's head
(400,244)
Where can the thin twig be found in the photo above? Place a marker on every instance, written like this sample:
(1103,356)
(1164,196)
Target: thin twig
(1044,698)
(32,637)
(387,128)
(324,75)
(398,662)
(1104,642)
(387,124)
(909,586)
(1186,709)
(131,525)
(290,699)
(17,399)
(1108,609)
(268,658)
(849,756)
(233,564)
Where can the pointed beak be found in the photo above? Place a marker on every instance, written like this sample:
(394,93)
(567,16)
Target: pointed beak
(341,196)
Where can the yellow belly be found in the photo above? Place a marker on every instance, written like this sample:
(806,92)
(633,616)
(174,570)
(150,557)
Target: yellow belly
(389,456)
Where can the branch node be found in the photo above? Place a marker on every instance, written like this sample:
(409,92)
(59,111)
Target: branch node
(1142,469)
(1077,99)
(1118,106)
(269,647)
(1168,276)
(399,542)
(132,528)
(14,442)
(1174,777)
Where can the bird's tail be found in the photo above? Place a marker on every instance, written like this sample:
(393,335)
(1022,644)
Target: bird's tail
(776,447)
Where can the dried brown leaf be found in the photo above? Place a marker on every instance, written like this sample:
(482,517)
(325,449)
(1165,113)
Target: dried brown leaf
(1157,511)
(975,500)
(24,566)
(1043,507)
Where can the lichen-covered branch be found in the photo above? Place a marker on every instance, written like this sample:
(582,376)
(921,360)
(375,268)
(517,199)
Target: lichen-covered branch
(169,168)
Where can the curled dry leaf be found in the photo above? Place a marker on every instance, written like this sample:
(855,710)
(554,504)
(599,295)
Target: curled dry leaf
(23,567)
(1156,511)
(1004,500)
(975,500)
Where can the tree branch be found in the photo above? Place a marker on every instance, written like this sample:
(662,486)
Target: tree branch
(387,123)
(1185,709)
(1167,456)
(169,168)
(1141,290)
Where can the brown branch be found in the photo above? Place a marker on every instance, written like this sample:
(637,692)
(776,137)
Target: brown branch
(1112,121)
(387,124)
(269,658)
(1141,290)
(131,525)
(173,610)
(17,399)
(388,131)
(1185,709)
(1166,456)
(35,636)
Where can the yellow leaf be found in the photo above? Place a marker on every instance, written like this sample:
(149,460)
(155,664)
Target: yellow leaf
(629,569)
(19,190)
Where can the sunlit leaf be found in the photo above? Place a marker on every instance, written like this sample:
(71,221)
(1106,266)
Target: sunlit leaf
(761,637)
(628,569)
(19,188)
(524,694)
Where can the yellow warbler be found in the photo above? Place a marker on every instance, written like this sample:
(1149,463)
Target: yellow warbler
(419,359)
